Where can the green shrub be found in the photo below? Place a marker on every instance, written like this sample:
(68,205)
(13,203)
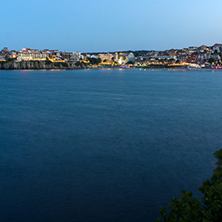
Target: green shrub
(185,208)
(59,64)
(78,64)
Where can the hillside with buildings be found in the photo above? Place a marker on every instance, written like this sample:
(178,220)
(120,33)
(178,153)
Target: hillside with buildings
(203,56)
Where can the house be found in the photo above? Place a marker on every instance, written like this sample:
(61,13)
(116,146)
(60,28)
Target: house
(217,47)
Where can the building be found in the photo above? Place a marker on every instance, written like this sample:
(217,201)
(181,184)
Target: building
(131,57)
(27,54)
(106,57)
(217,48)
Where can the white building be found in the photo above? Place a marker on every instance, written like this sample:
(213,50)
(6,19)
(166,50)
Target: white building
(131,57)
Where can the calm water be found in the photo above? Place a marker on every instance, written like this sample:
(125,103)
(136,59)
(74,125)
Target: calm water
(104,145)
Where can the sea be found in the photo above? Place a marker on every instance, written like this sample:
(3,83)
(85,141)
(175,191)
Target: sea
(104,145)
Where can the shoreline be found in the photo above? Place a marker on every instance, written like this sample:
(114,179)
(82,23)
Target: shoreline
(114,68)
(46,65)
(40,65)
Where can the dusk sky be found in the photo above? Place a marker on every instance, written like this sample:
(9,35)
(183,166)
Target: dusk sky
(90,26)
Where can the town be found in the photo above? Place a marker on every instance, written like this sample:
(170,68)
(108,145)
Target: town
(196,57)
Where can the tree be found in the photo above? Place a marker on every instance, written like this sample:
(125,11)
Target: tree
(6,57)
(78,63)
(205,209)
(130,62)
(211,60)
(94,61)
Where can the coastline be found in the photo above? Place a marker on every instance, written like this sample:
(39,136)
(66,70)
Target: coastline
(46,65)
(38,65)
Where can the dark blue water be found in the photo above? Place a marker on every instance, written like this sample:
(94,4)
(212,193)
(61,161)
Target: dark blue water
(104,145)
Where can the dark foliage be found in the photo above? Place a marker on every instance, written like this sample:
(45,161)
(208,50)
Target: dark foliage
(185,208)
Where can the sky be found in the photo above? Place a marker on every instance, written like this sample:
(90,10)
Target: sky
(102,26)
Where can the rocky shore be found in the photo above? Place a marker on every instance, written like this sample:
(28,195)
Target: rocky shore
(41,65)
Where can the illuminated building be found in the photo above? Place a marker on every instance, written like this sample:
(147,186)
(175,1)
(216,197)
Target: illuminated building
(131,57)
(106,57)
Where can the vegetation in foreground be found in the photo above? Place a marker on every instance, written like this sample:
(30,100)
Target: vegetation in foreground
(185,208)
